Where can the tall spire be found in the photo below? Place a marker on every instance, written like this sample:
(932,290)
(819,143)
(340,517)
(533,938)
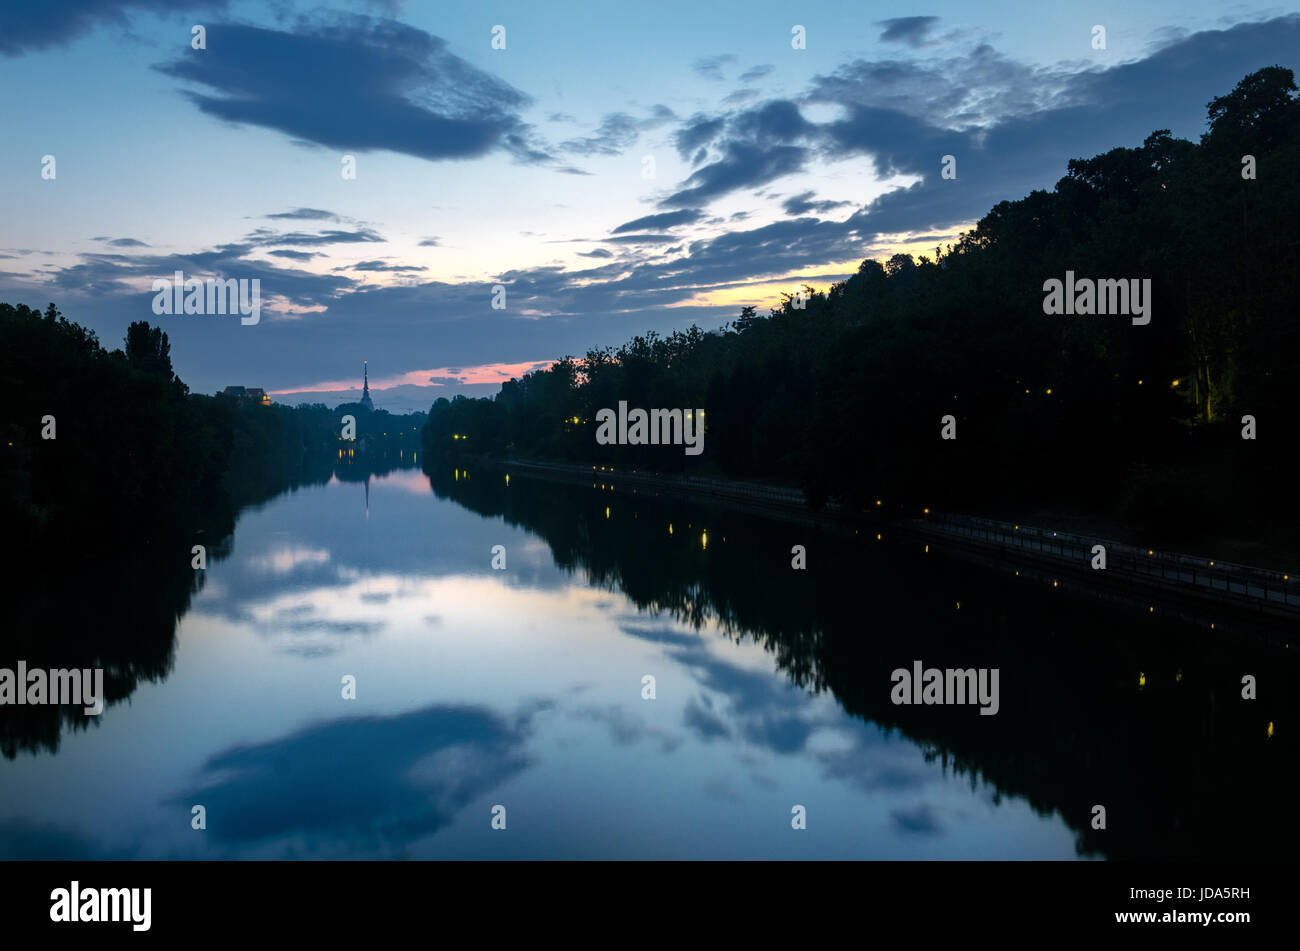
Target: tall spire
(365,389)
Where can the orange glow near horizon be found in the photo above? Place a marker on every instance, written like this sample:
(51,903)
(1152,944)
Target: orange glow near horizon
(483,373)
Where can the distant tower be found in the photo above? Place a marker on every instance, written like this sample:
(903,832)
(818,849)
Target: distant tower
(365,389)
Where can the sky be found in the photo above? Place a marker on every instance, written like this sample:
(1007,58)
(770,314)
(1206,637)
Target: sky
(617,168)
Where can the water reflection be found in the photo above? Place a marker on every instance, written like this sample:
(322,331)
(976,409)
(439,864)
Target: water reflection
(523,688)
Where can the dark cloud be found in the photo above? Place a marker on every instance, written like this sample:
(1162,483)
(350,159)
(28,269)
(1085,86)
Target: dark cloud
(914,31)
(383,266)
(698,131)
(710,67)
(263,237)
(432,242)
(409,775)
(704,723)
(306,214)
(34,26)
(122,242)
(743,165)
(597,253)
(662,635)
(642,239)
(757,72)
(919,821)
(804,202)
(358,84)
(295,255)
(661,222)
(618,132)
(1022,141)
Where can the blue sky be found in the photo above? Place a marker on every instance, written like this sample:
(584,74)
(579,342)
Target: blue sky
(525,166)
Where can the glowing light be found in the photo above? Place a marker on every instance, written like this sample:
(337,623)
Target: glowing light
(606,511)
(1270,727)
(1142,679)
(704,540)
(670,528)
(507,478)
(1178,677)
(878,536)
(1175,383)
(925,511)
(1049,391)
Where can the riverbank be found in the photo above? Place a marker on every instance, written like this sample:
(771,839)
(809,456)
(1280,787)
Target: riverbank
(1192,586)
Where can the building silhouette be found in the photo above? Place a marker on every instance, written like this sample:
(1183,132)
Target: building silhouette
(248,394)
(365,388)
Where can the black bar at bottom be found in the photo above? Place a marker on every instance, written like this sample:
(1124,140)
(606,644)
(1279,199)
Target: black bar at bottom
(663,901)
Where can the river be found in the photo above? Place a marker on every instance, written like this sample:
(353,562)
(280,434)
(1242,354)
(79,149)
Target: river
(524,687)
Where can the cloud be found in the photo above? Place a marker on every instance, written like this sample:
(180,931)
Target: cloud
(381,266)
(756,72)
(661,222)
(431,242)
(618,132)
(743,165)
(913,31)
(35,26)
(642,239)
(359,84)
(306,214)
(923,820)
(263,237)
(803,203)
(698,131)
(409,775)
(295,255)
(897,116)
(122,242)
(710,67)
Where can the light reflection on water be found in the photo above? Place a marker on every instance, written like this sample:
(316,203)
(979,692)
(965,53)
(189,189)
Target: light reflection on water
(474,688)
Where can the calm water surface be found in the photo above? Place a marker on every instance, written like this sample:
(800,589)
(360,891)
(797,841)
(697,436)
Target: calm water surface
(523,687)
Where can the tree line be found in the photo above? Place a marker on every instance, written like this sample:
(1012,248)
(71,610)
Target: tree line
(843,392)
